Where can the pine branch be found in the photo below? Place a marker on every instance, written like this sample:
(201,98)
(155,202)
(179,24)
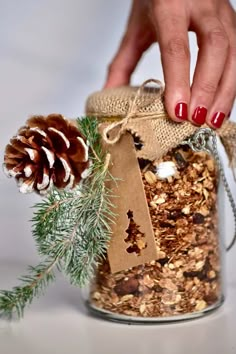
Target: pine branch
(33,285)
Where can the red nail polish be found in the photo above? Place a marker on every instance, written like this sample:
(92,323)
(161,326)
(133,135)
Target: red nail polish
(217,119)
(181,111)
(199,115)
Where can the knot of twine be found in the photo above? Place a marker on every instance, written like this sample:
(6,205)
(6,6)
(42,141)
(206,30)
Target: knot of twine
(133,113)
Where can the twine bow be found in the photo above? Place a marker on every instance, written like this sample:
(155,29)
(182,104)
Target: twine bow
(133,114)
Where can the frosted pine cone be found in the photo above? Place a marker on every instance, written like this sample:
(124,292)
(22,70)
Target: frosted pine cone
(47,151)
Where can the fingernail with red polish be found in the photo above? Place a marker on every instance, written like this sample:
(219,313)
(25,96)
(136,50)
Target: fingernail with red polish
(181,111)
(199,115)
(217,119)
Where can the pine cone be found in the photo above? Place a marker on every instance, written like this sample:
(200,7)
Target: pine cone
(47,151)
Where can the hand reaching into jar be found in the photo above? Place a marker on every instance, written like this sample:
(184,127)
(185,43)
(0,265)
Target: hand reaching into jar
(210,97)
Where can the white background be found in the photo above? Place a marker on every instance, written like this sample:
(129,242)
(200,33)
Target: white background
(53,53)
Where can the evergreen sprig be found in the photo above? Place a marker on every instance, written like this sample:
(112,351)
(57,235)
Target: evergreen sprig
(33,284)
(71,229)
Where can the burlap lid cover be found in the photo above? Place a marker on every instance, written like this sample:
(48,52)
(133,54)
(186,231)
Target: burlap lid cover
(142,112)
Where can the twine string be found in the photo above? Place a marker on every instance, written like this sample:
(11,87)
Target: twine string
(133,113)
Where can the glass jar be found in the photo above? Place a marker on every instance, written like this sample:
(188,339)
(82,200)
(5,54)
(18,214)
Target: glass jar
(185,281)
(182,182)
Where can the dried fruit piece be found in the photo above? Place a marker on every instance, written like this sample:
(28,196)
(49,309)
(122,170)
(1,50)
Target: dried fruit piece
(182,163)
(128,286)
(198,218)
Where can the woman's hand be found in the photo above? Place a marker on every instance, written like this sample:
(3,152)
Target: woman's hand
(212,93)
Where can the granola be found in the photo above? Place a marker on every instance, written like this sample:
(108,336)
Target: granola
(185,278)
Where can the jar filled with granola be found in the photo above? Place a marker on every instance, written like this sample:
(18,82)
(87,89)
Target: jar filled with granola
(164,260)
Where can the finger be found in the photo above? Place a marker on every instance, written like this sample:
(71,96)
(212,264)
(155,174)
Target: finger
(213,51)
(226,92)
(172,30)
(225,96)
(137,39)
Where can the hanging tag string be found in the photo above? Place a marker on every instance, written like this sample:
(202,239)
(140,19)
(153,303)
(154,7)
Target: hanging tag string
(205,140)
(133,113)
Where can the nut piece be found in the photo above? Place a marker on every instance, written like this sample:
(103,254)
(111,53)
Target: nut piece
(186,210)
(127,297)
(210,165)
(200,305)
(159,199)
(204,210)
(150,177)
(161,255)
(96,295)
(142,308)
(170,298)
